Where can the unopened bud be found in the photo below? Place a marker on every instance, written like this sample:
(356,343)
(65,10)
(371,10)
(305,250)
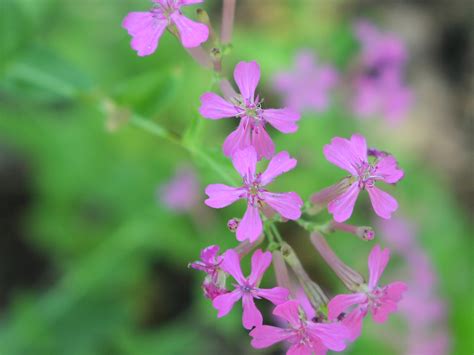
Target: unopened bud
(363,232)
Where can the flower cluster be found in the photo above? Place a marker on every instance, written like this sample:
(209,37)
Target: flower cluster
(308,321)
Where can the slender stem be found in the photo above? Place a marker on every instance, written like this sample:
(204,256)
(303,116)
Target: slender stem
(200,56)
(228,13)
(281,272)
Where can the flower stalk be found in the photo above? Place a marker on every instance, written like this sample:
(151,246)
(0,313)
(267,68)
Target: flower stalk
(351,278)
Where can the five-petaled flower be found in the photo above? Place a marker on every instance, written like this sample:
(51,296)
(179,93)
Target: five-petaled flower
(379,300)
(351,155)
(214,282)
(286,204)
(307,86)
(247,288)
(379,86)
(253,118)
(307,337)
(146,28)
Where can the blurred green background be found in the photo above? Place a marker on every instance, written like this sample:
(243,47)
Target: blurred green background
(92,263)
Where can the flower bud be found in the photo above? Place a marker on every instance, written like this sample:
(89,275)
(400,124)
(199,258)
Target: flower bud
(233,224)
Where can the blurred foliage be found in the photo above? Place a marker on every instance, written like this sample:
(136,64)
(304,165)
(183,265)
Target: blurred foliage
(117,281)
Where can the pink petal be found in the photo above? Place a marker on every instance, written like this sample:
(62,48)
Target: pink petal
(380,314)
(250,227)
(300,349)
(238,139)
(209,254)
(245,162)
(266,335)
(276,295)
(283,119)
(288,311)
(280,163)
(342,153)
(247,76)
(251,316)
(395,290)
(221,195)
(387,169)
(262,142)
(287,204)
(341,208)
(231,264)
(146,30)
(341,302)
(332,335)
(192,33)
(353,322)
(260,263)
(383,203)
(378,260)
(225,302)
(359,145)
(214,107)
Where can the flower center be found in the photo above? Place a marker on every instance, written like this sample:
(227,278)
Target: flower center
(366,175)
(254,192)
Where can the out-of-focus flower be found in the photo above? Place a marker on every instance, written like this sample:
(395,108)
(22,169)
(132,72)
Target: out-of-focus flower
(351,155)
(214,282)
(307,86)
(380,301)
(307,337)
(181,193)
(422,307)
(378,85)
(287,204)
(146,28)
(247,288)
(251,130)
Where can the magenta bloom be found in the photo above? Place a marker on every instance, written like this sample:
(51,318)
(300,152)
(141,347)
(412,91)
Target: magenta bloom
(351,155)
(306,336)
(181,193)
(286,204)
(253,118)
(306,87)
(146,28)
(379,86)
(379,300)
(214,283)
(247,288)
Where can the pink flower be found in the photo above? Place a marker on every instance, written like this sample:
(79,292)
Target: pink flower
(351,155)
(146,28)
(379,86)
(286,204)
(181,193)
(306,337)
(251,130)
(214,283)
(247,288)
(379,300)
(307,85)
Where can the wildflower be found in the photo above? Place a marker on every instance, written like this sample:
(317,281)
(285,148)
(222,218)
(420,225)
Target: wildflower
(306,336)
(307,85)
(214,283)
(247,288)
(351,155)
(379,300)
(253,118)
(286,204)
(181,193)
(379,83)
(146,28)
